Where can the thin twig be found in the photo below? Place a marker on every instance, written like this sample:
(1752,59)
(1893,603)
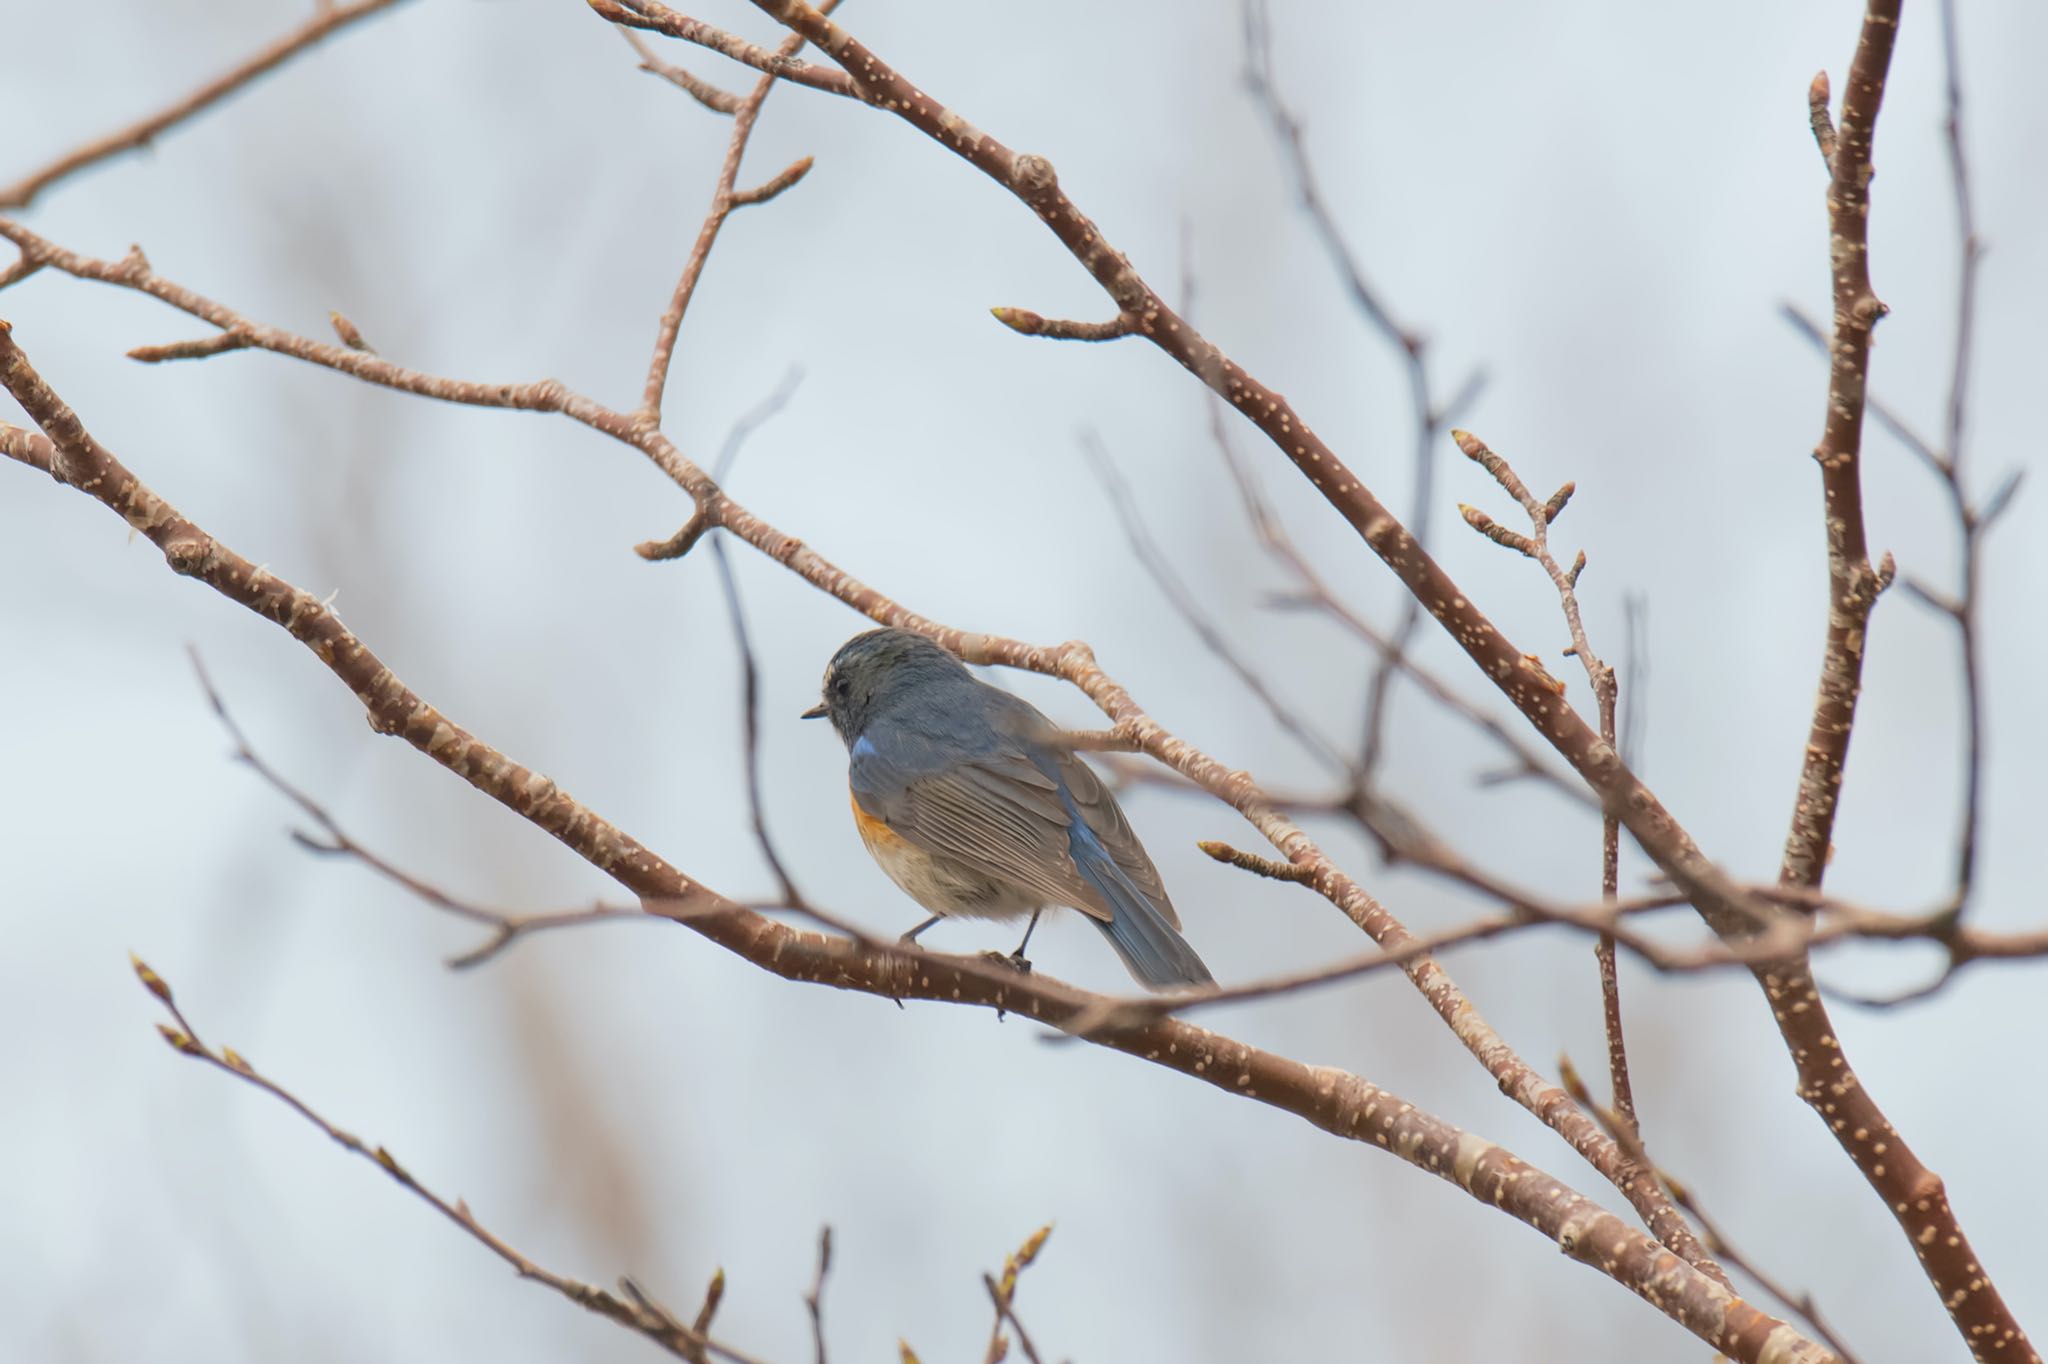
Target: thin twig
(1972,523)
(1002,1296)
(750,673)
(657,18)
(724,199)
(325,20)
(506,927)
(218,344)
(703,91)
(1542,514)
(1429,416)
(814,1301)
(1194,615)
(1627,1132)
(1317,594)
(650,1320)
(1256,865)
(1027,323)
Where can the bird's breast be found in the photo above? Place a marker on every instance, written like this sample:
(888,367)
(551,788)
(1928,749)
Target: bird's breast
(942,885)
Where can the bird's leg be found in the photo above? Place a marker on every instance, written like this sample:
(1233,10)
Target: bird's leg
(1017,958)
(911,936)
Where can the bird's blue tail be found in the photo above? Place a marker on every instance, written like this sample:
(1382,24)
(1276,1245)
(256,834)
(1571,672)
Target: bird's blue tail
(1155,953)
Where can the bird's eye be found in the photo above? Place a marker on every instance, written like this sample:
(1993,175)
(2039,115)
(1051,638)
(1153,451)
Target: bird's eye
(839,687)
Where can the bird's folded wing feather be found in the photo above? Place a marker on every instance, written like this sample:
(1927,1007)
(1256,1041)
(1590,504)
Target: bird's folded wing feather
(1103,815)
(998,813)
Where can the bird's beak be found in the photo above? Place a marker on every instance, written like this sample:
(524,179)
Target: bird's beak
(816,712)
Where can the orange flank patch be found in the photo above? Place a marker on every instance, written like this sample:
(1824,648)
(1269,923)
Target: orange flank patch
(873,832)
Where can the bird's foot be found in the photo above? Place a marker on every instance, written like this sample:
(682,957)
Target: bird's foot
(1016,961)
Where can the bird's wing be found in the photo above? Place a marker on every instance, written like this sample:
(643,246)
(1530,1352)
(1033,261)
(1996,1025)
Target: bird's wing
(996,812)
(1105,818)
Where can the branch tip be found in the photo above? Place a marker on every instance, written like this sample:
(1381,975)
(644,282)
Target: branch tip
(1818,96)
(1027,323)
(1495,531)
(1554,508)
(768,189)
(218,344)
(346,330)
(677,545)
(1259,866)
(151,981)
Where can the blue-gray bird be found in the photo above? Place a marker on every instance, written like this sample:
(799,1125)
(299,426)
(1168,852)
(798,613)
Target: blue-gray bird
(969,801)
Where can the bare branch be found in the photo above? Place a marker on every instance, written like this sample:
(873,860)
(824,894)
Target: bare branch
(1495,531)
(1852,581)
(1027,323)
(814,1301)
(1317,594)
(218,344)
(657,18)
(703,91)
(1913,1193)
(642,1316)
(750,673)
(724,199)
(1003,1296)
(1601,677)
(682,542)
(1971,522)
(768,189)
(1624,1129)
(505,927)
(346,330)
(325,20)
(1190,609)
(1256,865)
(1430,416)
(1817,97)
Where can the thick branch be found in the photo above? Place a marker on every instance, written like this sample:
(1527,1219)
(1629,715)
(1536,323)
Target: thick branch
(1914,1194)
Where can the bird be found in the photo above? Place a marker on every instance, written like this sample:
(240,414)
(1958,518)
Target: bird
(970,800)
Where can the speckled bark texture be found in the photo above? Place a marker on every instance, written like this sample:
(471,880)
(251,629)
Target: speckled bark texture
(1827,1082)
